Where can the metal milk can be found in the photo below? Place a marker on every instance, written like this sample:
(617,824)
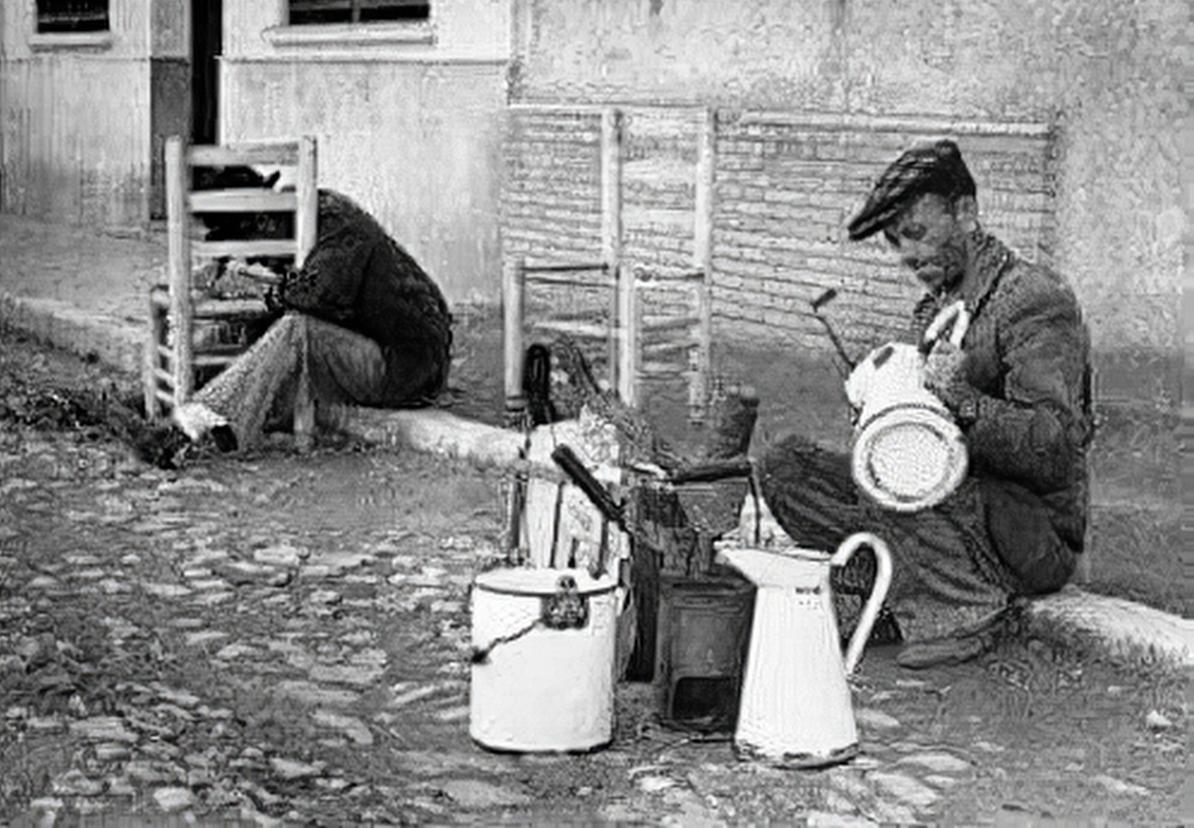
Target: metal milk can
(795,709)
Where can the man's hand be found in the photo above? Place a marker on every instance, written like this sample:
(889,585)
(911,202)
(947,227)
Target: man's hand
(273,300)
(945,377)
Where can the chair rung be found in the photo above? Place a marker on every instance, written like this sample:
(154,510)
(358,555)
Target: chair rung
(564,267)
(224,308)
(160,297)
(212,360)
(579,329)
(229,350)
(164,396)
(667,323)
(244,249)
(162,375)
(601,281)
(283,153)
(660,370)
(593,317)
(166,352)
(245,200)
(667,347)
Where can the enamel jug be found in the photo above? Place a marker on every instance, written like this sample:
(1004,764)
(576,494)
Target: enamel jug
(795,709)
(908,452)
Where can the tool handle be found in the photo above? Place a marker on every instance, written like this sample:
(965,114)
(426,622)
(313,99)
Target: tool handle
(713,470)
(824,297)
(567,460)
(878,591)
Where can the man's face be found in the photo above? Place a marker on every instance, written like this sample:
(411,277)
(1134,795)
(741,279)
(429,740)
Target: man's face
(930,239)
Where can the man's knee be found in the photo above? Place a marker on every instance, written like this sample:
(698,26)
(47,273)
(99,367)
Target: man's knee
(1048,571)
(796,460)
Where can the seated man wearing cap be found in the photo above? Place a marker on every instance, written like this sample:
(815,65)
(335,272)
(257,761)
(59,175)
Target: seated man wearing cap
(1019,390)
(361,319)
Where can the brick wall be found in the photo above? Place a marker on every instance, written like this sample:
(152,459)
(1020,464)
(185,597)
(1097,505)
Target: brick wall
(551,188)
(785,185)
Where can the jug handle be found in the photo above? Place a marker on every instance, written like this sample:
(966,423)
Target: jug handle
(878,591)
(956,313)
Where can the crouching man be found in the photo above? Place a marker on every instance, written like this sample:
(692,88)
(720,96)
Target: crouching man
(360,319)
(1019,390)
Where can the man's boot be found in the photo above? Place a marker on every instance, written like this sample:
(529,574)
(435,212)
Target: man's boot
(965,645)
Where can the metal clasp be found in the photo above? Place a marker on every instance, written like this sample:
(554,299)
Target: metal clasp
(566,609)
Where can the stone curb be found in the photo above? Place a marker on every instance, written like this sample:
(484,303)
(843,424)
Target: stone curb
(1112,627)
(63,325)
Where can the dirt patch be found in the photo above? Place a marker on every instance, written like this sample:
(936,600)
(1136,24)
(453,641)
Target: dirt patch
(286,636)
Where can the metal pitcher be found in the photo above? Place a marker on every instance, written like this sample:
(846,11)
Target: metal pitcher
(796,709)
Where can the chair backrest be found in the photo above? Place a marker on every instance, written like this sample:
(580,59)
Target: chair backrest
(183,203)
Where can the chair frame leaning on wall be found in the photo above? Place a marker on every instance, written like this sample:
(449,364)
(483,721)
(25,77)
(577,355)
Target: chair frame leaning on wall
(172,354)
(638,343)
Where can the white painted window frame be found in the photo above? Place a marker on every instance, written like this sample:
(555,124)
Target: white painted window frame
(66,41)
(414,32)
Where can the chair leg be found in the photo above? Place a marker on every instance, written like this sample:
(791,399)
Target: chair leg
(304,416)
(304,403)
(150,363)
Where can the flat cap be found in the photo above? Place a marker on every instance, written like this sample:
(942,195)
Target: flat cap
(925,168)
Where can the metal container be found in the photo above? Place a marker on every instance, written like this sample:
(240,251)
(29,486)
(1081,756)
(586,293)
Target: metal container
(701,640)
(797,710)
(543,660)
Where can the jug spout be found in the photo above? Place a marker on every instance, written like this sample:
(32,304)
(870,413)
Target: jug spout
(791,568)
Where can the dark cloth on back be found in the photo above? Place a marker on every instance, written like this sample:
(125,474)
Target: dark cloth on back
(357,276)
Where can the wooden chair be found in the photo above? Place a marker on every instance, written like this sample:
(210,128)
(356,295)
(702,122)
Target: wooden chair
(179,309)
(670,344)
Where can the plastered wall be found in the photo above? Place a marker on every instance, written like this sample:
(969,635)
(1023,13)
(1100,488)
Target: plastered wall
(409,127)
(77,119)
(1107,73)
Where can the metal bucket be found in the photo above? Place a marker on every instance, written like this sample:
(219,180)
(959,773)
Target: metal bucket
(542,678)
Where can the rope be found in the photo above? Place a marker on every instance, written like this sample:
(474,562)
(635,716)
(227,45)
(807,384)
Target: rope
(479,655)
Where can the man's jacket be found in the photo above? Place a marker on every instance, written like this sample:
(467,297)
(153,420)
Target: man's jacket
(357,276)
(1027,354)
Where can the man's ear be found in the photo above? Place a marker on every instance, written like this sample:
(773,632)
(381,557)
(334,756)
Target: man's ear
(966,212)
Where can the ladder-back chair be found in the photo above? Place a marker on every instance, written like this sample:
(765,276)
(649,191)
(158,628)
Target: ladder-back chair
(642,346)
(182,315)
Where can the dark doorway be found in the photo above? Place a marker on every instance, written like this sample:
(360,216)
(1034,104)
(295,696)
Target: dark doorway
(206,47)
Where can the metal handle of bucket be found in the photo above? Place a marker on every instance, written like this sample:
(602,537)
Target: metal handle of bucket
(878,591)
(564,609)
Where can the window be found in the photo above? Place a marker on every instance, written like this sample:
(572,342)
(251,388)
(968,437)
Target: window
(305,12)
(69,16)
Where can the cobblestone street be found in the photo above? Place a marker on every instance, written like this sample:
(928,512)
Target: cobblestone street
(286,638)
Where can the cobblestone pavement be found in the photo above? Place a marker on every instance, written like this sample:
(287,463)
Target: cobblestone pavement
(283,638)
